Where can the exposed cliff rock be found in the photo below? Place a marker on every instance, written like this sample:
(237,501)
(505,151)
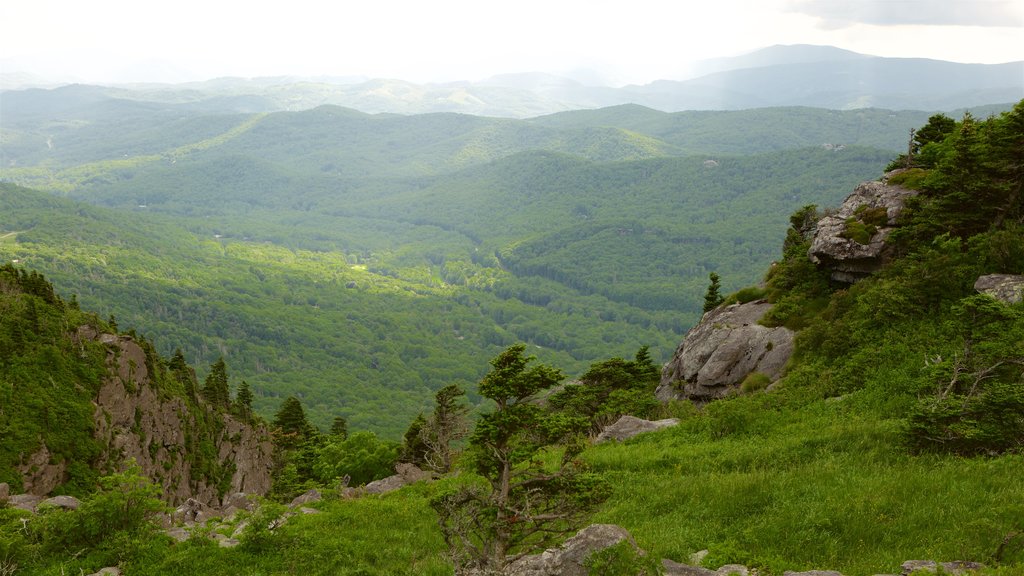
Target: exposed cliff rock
(852,242)
(1008,288)
(134,421)
(190,450)
(725,347)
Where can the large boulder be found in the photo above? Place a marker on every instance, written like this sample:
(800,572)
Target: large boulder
(1008,288)
(569,558)
(722,350)
(62,502)
(852,242)
(629,426)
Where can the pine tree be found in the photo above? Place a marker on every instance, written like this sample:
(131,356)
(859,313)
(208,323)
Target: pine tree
(290,425)
(528,505)
(339,427)
(243,402)
(713,298)
(448,424)
(215,387)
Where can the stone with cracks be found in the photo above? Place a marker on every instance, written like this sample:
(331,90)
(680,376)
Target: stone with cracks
(848,259)
(629,426)
(722,350)
(569,558)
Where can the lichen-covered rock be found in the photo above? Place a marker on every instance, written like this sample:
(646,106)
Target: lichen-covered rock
(40,473)
(569,558)
(875,208)
(722,350)
(1008,288)
(629,426)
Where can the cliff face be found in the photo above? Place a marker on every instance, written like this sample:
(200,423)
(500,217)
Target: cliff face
(852,242)
(725,347)
(189,450)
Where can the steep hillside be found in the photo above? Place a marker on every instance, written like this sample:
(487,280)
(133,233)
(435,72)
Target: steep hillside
(79,400)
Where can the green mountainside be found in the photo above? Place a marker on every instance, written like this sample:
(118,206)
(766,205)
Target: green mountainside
(435,240)
(895,434)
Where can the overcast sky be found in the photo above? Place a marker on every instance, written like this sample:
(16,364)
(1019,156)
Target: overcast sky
(625,41)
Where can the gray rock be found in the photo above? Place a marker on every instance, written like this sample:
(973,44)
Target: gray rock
(178,533)
(953,568)
(733,570)
(724,348)
(411,473)
(385,485)
(108,571)
(848,259)
(1007,288)
(812,573)
(227,542)
(62,502)
(240,501)
(312,495)
(191,510)
(5,492)
(677,569)
(24,501)
(305,510)
(568,559)
(629,426)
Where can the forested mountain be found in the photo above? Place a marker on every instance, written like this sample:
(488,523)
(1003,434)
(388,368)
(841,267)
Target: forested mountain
(799,75)
(894,433)
(435,239)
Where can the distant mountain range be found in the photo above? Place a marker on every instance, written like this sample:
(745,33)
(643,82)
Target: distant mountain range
(800,75)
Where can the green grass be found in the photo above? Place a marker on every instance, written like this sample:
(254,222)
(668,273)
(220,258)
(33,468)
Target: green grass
(819,487)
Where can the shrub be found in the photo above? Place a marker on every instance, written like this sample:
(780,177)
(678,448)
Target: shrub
(755,381)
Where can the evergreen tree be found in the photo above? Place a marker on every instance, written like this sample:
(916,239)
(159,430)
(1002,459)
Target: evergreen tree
(215,387)
(290,425)
(181,372)
(448,424)
(414,449)
(339,427)
(243,402)
(528,505)
(713,298)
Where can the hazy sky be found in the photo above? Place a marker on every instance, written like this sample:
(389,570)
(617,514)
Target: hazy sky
(442,40)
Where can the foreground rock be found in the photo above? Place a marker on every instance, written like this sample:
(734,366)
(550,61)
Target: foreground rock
(629,426)
(569,559)
(1007,288)
(852,242)
(722,350)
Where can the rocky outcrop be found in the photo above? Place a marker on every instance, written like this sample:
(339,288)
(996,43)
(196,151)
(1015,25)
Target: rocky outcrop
(569,558)
(629,426)
(852,242)
(134,422)
(1007,288)
(722,350)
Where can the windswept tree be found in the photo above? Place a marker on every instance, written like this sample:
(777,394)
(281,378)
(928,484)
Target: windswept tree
(530,501)
(448,424)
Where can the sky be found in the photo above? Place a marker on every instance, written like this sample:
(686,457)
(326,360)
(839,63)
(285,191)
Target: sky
(615,41)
